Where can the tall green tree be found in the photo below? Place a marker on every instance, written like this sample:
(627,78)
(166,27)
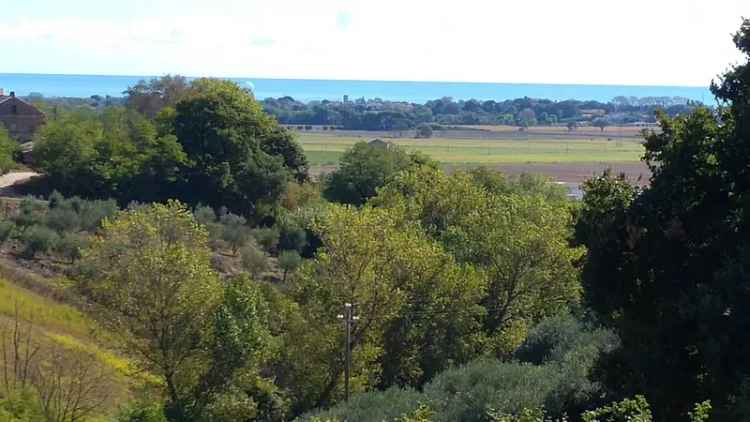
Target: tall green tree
(669,267)
(364,168)
(403,286)
(518,241)
(237,155)
(149,273)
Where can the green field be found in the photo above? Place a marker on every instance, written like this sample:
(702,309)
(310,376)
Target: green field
(326,149)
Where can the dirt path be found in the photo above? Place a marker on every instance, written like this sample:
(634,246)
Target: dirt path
(9,180)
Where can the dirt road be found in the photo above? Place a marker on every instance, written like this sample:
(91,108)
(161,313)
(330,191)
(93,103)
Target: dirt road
(7,181)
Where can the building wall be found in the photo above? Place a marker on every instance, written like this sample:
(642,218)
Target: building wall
(20,118)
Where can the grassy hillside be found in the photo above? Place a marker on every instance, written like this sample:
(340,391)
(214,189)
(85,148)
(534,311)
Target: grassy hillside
(69,344)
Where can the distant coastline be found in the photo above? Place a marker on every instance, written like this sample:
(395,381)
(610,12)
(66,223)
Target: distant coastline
(52,85)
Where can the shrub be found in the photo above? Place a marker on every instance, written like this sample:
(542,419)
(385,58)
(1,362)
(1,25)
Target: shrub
(93,212)
(142,411)
(268,238)
(254,261)
(234,231)
(63,219)
(30,213)
(289,261)
(6,230)
(70,245)
(291,236)
(21,407)
(204,215)
(38,239)
(635,410)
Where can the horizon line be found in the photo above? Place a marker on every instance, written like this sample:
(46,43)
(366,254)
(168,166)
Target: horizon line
(358,80)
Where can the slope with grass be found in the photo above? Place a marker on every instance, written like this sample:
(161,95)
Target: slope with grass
(70,345)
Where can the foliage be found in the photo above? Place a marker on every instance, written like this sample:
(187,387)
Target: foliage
(8,151)
(234,231)
(402,282)
(635,410)
(117,153)
(667,267)
(289,261)
(380,115)
(424,131)
(492,390)
(149,274)
(363,169)
(237,156)
(38,239)
(266,237)
(149,98)
(7,228)
(142,411)
(70,246)
(254,261)
(520,242)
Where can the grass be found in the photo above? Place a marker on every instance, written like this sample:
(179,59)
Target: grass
(326,149)
(42,312)
(66,326)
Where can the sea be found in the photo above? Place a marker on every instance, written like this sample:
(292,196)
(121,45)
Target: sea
(53,85)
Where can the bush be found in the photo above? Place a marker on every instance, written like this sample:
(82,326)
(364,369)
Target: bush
(204,214)
(506,391)
(254,261)
(142,411)
(291,236)
(93,212)
(30,213)
(268,238)
(424,131)
(21,407)
(70,245)
(6,230)
(234,231)
(289,261)
(38,239)
(636,409)
(63,219)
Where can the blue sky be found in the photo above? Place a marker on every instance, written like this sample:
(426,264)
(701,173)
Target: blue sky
(672,42)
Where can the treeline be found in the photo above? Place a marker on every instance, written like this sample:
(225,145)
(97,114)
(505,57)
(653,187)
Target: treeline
(210,144)
(376,114)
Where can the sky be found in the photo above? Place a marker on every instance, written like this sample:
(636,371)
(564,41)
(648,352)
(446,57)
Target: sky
(628,42)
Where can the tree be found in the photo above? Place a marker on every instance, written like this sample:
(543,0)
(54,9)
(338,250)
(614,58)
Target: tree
(518,241)
(116,154)
(289,261)
(151,97)
(149,274)
(8,151)
(572,126)
(363,169)
(402,284)
(424,131)
(668,267)
(237,155)
(601,123)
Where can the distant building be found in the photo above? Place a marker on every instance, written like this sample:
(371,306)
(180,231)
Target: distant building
(379,143)
(20,118)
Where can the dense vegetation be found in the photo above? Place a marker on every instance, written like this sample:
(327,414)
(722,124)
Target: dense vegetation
(376,114)
(467,296)
(215,146)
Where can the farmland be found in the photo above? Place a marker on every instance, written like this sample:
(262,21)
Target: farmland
(567,157)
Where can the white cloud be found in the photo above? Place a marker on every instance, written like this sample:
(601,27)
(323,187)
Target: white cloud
(682,42)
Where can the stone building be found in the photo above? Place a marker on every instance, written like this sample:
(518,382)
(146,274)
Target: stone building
(20,118)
